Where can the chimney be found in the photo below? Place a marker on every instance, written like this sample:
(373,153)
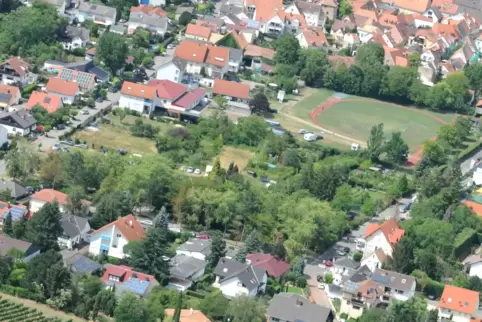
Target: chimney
(190,311)
(299,303)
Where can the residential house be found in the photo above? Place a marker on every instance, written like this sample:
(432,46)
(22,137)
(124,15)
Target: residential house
(341,27)
(273,266)
(396,57)
(177,98)
(198,32)
(17,191)
(4,135)
(16,212)
(234,278)
(395,286)
(358,297)
(111,238)
(458,304)
(330,9)
(375,260)
(172,70)
(343,268)
(7,243)
(75,37)
(233,91)
(123,279)
(44,196)
(150,21)
(86,66)
(312,11)
(137,97)
(96,13)
(18,122)
(78,263)
(473,263)
(255,58)
(294,307)
(184,270)
(75,231)
(312,38)
(195,247)
(188,315)
(85,80)
(235,60)
(66,90)
(384,236)
(17,70)
(203,59)
(9,95)
(150,9)
(180,10)
(49,102)
(410,6)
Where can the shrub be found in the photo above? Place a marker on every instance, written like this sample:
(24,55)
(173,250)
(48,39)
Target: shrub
(328,278)
(357,256)
(301,282)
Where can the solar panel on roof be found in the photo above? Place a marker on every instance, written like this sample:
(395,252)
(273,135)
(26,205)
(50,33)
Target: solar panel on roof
(380,278)
(136,285)
(16,213)
(85,265)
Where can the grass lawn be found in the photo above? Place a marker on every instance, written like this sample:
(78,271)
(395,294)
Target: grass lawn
(295,290)
(114,137)
(303,108)
(237,155)
(355,119)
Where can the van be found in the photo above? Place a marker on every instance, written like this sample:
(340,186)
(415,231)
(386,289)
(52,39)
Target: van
(310,137)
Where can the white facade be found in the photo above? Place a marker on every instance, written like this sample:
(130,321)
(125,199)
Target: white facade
(157,3)
(25,80)
(454,316)
(71,242)
(377,240)
(476,268)
(4,134)
(338,272)
(75,43)
(138,104)
(108,240)
(36,204)
(194,68)
(233,287)
(273,26)
(353,311)
(170,72)
(66,99)
(101,20)
(372,262)
(132,26)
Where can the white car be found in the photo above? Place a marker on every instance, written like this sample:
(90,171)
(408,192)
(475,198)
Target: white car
(56,147)
(197,171)
(190,170)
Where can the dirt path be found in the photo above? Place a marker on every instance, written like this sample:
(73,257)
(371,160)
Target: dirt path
(46,310)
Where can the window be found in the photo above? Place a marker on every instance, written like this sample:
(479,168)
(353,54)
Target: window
(274,319)
(119,235)
(114,278)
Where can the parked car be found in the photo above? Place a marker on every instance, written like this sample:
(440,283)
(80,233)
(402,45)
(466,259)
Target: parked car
(84,112)
(341,252)
(405,207)
(252,173)
(60,127)
(328,263)
(122,151)
(190,170)
(56,147)
(197,171)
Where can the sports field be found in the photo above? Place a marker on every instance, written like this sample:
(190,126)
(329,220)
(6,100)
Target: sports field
(355,117)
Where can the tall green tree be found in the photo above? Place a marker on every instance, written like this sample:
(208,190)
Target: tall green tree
(448,134)
(246,309)
(463,126)
(19,228)
(7,228)
(177,310)
(371,53)
(130,309)
(44,228)
(345,8)
(112,51)
(396,148)
(287,50)
(111,206)
(21,162)
(251,245)
(259,104)
(433,152)
(218,250)
(161,221)
(375,142)
(474,74)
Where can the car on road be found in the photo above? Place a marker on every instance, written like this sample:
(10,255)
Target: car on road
(84,112)
(341,252)
(67,142)
(405,207)
(170,46)
(327,263)
(190,170)
(197,171)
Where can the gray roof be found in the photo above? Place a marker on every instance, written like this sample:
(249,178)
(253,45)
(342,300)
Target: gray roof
(294,307)
(78,263)
(235,54)
(393,280)
(7,243)
(233,18)
(148,19)
(229,8)
(472,259)
(16,189)
(5,98)
(19,119)
(213,19)
(197,245)
(72,32)
(184,267)
(118,28)
(73,225)
(250,276)
(97,9)
(180,10)
(83,66)
(360,275)
(347,262)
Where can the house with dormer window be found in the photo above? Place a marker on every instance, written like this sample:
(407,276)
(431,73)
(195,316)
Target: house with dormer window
(123,279)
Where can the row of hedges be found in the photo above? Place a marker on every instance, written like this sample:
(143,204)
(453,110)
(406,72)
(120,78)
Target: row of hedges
(470,150)
(464,241)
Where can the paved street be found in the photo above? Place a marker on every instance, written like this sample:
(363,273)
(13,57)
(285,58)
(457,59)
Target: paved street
(312,269)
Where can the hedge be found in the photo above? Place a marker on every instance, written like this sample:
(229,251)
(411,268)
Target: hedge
(195,294)
(463,241)
(470,150)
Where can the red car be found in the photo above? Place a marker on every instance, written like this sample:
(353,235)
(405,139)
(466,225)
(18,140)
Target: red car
(328,263)
(203,236)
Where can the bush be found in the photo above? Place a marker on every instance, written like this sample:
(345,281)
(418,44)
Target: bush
(469,150)
(357,256)
(328,278)
(197,295)
(301,282)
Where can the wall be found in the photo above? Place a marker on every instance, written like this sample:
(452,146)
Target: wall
(132,103)
(116,239)
(348,309)
(169,72)
(372,262)
(36,204)
(196,37)
(66,99)
(231,288)
(193,68)
(377,240)
(454,316)
(476,270)
(66,242)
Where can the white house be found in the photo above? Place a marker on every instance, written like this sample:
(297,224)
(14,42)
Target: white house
(395,286)
(16,70)
(458,304)
(312,11)
(172,70)
(342,268)
(195,247)
(112,238)
(40,198)
(137,97)
(473,263)
(66,90)
(74,231)
(3,135)
(384,236)
(374,260)
(184,270)
(234,278)
(99,14)
(75,37)
(152,22)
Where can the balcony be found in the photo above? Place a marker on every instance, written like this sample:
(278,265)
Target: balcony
(105,238)
(104,247)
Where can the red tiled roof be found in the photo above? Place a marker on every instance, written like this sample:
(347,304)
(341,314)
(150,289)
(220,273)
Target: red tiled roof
(149,10)
(389,228)
(191,51)
(257,51)
(19,65)
(459,299)
(167,89)
(9,89)
(273,266)
(91,51)
(188,315)
(315,37)
(129,227)
(190,97)
(474,206)
(125,273)
(218,56)
(138,90)
(233,89)
(63,87)
(266,9)
(49,195)
(240,40)
(49,102)
(198,31)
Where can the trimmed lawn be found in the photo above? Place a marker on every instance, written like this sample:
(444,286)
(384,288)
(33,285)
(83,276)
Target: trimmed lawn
(303,108)
(355,119)
(295,290)
(237,155)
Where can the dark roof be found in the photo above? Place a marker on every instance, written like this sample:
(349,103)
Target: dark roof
(72,225)
(361,274)
(197,245)
(83,66)
(4,97)
(347,262)
(250,276)
(148,19)
(16,189)
(78,263)
(216,20)
(229,8)
(97,9)
(19,119)
(235,54)
(293,307)
(72,32)
(393,280)
(7,243)
(184,267)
